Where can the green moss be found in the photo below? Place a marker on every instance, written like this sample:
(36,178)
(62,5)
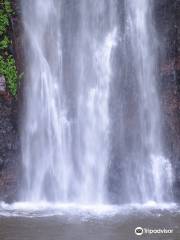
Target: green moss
(7,62)
(4,22)
(4,44)
(7,7)
(8,69)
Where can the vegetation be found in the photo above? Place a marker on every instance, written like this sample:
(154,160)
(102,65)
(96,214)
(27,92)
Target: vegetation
(7,7)
(4,21)
(8,69)
(5,43)
(7,62)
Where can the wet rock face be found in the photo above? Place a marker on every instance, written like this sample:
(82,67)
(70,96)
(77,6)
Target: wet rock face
(168,26)
(2,84)
(9,147)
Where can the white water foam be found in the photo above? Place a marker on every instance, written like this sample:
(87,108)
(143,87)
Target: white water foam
(46,209)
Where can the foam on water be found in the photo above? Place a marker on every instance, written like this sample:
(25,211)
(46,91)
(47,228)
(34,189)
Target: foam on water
(45,209)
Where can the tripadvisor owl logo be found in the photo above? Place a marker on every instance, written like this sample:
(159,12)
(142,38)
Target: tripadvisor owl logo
(139,231)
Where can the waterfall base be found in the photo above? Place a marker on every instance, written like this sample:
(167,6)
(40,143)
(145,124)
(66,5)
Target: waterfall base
(30,209)
(51,222)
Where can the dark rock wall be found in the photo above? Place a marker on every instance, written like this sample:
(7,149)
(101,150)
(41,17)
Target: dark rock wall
(9,148)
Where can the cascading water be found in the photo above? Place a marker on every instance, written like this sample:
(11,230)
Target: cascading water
(66,126)
(91,131)
(145,174)
(46,137)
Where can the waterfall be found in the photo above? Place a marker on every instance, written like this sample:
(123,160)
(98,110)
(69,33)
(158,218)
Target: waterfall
(144,172)
(91,131)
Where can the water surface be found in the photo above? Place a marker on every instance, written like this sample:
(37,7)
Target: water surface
(87,222)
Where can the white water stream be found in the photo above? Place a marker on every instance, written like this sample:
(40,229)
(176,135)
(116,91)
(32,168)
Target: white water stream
(92,118)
